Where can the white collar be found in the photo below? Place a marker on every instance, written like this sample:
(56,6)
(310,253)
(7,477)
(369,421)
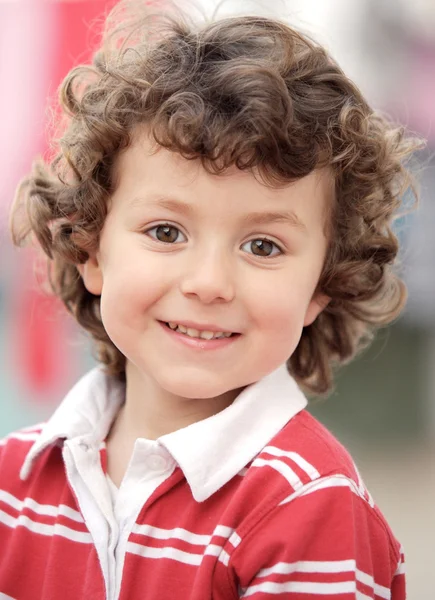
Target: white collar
(209,452)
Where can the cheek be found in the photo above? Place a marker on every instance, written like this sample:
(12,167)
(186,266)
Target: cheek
(279,311)
(284,325)
(130,288)
(280,304)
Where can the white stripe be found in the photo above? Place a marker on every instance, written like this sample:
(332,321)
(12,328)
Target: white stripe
(304,465)
(325,483)
(368,580)
(401,564)
(168,552)
(5,597)
(362,487)
(309,566)
(361,596)
(365,578)
(178,533)
(382,591)
(282,468)
(191,558)
(213,550)
(235,539)
(370,499)
(224,531)
(333,566)
(167,534)
(40,509)
(302,587)
(44,529)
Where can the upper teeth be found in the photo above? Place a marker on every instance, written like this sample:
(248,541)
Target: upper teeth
(205,335)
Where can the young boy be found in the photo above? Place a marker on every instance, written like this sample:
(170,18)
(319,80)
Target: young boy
(218,217)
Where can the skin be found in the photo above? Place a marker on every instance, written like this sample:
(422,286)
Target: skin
(211,274)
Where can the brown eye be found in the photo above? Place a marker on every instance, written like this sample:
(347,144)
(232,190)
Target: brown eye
(167,234)
(262,247)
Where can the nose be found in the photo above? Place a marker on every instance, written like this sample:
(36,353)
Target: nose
(209,278)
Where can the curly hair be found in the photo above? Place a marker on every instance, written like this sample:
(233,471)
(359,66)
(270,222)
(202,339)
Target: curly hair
(249,92)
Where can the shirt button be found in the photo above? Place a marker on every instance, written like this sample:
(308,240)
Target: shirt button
(156,462)
(84,446)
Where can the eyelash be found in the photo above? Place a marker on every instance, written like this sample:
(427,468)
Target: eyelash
(262,239)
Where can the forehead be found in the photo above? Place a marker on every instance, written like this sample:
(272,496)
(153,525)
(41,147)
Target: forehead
(146,171)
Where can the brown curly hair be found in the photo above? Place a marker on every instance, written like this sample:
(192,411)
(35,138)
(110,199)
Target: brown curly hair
(245,91)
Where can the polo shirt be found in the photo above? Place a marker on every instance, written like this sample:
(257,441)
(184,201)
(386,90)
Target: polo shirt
(259,500)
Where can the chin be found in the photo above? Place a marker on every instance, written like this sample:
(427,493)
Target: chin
(192,387)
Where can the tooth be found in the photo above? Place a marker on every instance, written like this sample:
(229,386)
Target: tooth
(172,325)
(206,335)
(219,335)
(182,328)
(228,334)
(191,332)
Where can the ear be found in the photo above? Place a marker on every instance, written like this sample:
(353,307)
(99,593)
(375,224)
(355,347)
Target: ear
(317,304)
(92,276)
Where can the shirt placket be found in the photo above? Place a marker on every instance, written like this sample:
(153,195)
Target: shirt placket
(111,526)
(87,480)
(149,467)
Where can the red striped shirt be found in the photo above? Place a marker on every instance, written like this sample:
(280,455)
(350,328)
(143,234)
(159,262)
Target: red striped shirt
(295,521)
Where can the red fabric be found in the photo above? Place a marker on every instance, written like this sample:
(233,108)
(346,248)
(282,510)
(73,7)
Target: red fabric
(257,537)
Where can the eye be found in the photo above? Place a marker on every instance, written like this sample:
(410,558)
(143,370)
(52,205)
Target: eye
(262,247)
(168,234)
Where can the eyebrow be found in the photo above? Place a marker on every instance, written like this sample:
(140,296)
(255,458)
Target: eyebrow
(262,218)
(183,208)
(251,219)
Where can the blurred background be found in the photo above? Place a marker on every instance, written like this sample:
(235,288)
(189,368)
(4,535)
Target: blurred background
(383,407)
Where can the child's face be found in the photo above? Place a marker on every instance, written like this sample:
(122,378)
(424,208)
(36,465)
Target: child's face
(182,246)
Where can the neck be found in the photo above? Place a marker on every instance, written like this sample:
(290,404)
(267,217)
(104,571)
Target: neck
(150,411)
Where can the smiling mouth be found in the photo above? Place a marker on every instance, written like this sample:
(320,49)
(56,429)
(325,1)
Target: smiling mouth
(195,333)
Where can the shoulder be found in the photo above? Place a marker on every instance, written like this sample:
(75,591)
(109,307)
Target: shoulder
(14,449)
(313,518)
(306,436)
(15,446)
(305,474)
(304,452)
(31,501)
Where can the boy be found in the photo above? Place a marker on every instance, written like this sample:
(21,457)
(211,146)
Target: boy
(221,201)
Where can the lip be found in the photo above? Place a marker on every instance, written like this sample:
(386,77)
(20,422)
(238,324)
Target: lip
(201,326)
(199,343)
